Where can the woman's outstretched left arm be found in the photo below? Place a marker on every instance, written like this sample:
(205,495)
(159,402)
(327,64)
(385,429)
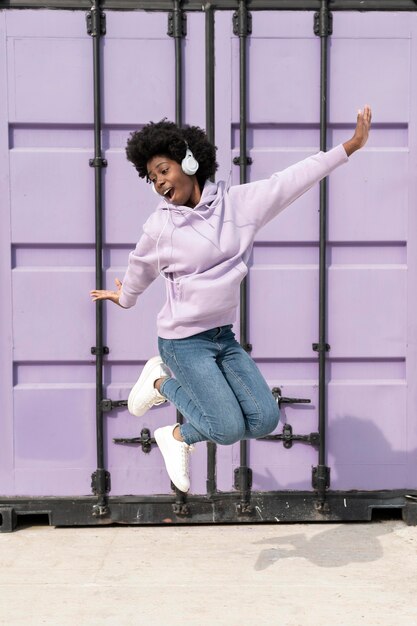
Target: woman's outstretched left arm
(263,200)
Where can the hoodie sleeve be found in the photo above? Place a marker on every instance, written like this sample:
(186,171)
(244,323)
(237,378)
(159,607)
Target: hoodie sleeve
(141,271)
(264,199)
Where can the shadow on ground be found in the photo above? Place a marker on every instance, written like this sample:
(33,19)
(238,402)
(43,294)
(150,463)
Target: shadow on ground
(334,547)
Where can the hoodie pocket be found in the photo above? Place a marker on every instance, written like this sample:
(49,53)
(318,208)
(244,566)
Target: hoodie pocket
(211,293)
(178,290)
(174,297)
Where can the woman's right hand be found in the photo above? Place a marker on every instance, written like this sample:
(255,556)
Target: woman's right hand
(104,294)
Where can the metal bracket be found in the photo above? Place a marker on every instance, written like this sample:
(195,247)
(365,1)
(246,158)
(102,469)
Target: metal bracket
(409,512)
(99,351)
(243,478)
(100,482)
(276,392)
(320,477)
(96,22)
(242,160)
(181,509)
(288,438)
(98,162)
(145,440)
(323,23)
(244,508)
(100,510)
(322,507)
(8,519)
(177,24)
(242,22)
(107,405)
(321,347)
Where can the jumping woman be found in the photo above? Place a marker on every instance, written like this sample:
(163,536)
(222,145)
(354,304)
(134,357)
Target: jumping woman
(199,239)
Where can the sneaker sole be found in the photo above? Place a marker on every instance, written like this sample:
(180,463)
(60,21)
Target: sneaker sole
(141,380)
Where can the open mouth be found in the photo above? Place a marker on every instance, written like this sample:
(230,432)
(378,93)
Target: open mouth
(168,193)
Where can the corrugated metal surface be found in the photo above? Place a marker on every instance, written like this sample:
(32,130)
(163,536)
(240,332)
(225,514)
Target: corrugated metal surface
(47,243)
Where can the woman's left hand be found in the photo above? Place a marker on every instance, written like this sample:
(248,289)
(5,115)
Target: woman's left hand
(360,137)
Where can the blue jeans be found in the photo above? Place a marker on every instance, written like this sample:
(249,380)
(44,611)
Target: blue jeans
(218,388)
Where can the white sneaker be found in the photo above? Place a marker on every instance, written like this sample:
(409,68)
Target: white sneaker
(144,395)
(176,456)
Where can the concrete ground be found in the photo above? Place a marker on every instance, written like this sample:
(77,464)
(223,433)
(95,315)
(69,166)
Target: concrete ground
(284,575)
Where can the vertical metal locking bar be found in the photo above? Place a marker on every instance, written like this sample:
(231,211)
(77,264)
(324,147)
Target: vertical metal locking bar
(177,28)
(210,126)
(96,27)
(321,473)
(242,28)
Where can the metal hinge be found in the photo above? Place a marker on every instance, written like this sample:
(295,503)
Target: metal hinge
(145,440)
(177,24)
(96,22)
(323,23)
(242,22)
(100,482)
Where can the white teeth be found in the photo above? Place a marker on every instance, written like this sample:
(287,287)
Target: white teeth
(167,190)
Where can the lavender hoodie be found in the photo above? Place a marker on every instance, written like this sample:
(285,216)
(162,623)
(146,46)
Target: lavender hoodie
(203,252)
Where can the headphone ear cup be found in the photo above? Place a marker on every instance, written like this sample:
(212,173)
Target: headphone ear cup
(189,163)
(153,189)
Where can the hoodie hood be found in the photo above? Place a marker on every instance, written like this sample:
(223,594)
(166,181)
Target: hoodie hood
(204,220)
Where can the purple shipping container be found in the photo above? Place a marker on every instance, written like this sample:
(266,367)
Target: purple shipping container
(48,374)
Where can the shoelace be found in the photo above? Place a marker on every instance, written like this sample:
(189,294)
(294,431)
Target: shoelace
(154,398)
(185,452)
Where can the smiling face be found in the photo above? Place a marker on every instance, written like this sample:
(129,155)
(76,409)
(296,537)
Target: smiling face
(171,182)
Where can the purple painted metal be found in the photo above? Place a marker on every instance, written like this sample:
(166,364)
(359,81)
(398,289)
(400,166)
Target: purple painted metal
(47,243)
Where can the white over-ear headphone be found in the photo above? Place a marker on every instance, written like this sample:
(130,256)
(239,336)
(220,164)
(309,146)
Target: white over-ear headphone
(189,165)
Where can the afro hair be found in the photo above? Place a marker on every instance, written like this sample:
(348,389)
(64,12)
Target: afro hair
(165,138)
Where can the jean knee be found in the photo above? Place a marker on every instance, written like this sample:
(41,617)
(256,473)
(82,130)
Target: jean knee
(226,439)
(230,436)
(269,421)
(273,416)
